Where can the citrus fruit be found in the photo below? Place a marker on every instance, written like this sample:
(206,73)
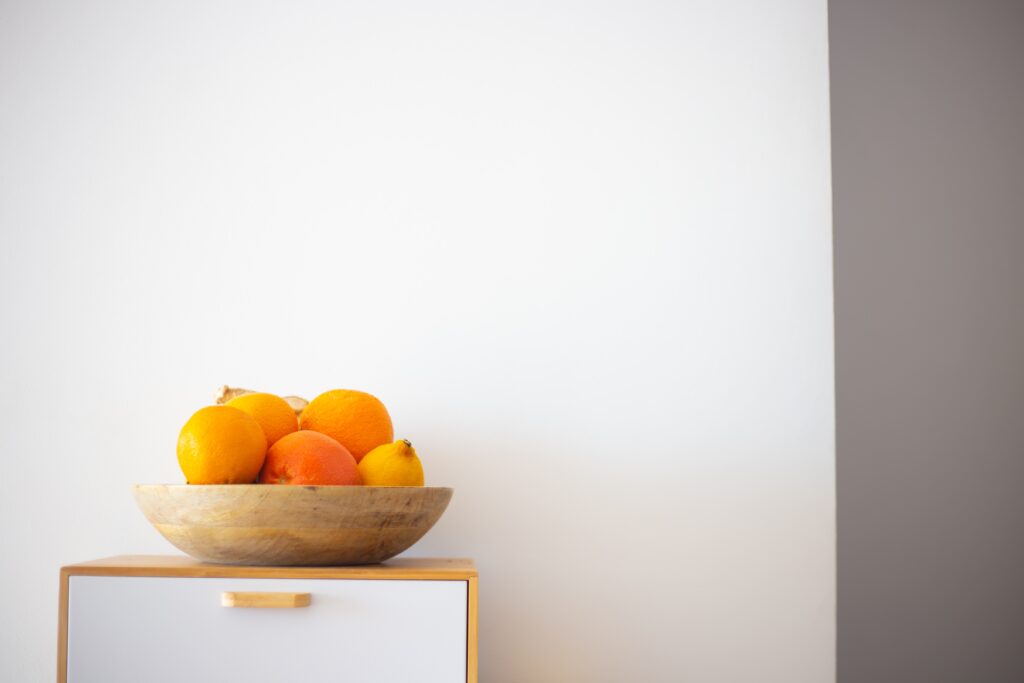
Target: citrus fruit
(311,459)
(275,416)
(355,419)
(221,445)
(393,464)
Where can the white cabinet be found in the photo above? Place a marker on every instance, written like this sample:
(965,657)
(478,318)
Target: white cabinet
(174,619)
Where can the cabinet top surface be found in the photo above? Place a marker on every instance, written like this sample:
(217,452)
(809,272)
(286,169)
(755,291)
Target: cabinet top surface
(180,565)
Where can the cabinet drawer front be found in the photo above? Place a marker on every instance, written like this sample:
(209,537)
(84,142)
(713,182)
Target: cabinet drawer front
(178,629)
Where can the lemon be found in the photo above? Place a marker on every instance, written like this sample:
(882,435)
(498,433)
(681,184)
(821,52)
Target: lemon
(392,464)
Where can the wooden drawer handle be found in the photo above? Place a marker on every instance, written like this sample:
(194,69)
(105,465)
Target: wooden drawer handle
(235,599)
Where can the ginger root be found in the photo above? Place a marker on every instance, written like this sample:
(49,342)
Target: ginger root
(226,393)
(297,403)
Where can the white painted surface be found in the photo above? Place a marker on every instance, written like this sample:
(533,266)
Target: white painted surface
(581,250)
(168,630)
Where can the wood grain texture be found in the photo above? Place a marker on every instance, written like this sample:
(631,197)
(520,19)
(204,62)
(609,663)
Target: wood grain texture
(292,525)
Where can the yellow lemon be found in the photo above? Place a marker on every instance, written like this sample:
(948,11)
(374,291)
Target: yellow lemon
(392,464)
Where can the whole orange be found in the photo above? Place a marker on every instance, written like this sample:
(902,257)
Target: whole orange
(275,416)
(221,445)
(355,419)
(310,459)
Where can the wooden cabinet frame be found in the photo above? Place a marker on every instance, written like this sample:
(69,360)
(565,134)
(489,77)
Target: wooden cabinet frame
(406,569)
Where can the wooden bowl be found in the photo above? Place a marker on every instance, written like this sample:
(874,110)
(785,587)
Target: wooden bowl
(267,524)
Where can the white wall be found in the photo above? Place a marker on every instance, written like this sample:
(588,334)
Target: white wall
(581,250)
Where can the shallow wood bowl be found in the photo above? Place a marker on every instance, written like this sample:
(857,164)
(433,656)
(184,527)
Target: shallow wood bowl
(266,524)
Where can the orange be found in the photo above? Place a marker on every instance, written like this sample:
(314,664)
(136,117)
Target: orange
(310,459)
(355,419)
(275,416)
(221,445)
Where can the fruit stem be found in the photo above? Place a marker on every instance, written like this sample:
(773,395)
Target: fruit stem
(407,443)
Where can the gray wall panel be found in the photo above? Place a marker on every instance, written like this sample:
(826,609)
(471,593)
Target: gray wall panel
(928,172)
